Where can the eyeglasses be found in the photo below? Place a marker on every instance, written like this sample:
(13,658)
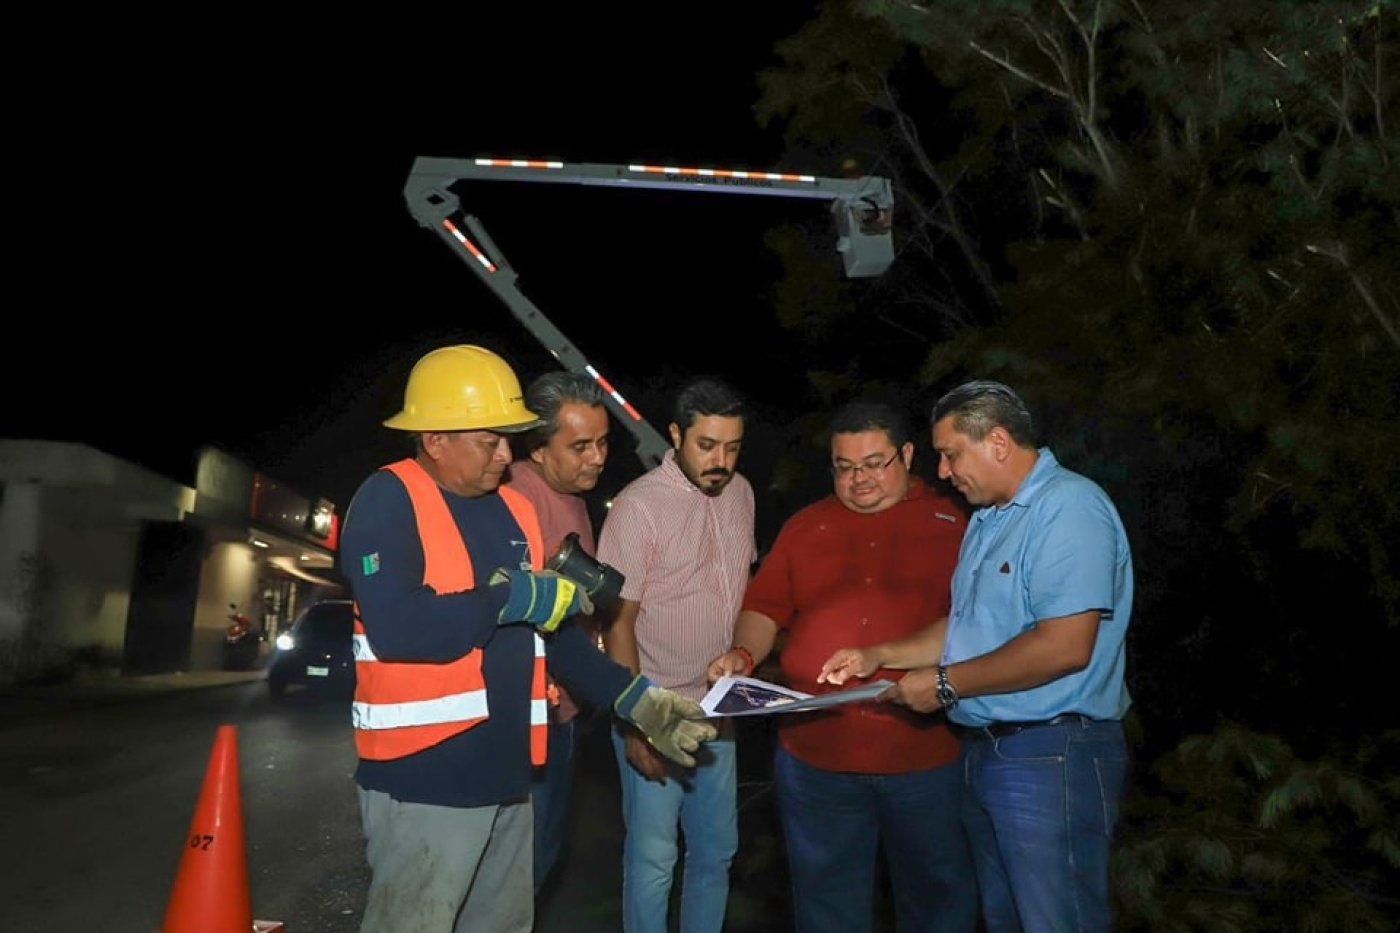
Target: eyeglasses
(870,465)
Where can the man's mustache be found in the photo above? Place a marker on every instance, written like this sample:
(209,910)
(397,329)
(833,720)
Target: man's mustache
(716,471)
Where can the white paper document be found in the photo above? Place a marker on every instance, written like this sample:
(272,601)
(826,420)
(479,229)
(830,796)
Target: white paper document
(748,696)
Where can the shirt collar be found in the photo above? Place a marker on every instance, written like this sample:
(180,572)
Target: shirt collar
(670,471)
(1045,465)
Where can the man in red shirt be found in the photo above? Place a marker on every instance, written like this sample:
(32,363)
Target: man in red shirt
(871,562)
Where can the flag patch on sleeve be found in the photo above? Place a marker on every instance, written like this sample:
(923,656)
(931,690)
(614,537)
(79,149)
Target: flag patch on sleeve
(369,564)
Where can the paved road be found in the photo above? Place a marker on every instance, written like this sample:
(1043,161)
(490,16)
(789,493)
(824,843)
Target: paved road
(99,781)
(98,793)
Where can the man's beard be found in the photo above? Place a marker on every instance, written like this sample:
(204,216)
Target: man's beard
(711,482)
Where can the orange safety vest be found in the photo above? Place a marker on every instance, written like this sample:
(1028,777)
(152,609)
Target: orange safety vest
(403,708)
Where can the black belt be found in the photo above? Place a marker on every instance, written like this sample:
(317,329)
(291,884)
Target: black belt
(1000,730)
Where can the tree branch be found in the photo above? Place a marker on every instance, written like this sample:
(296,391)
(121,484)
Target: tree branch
(1338,253)
(1017,71)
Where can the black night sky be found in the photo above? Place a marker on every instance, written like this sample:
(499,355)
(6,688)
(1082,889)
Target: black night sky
(224,256)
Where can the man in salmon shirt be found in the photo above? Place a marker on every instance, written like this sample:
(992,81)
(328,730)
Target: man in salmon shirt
(557,463)
(870,563)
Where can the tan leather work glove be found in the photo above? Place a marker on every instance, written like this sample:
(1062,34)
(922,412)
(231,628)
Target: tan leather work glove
(675,726)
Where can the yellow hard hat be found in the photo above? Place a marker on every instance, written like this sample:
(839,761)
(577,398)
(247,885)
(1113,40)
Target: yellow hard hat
(463,388)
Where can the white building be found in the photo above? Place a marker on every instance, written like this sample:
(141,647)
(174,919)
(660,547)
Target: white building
(107,566)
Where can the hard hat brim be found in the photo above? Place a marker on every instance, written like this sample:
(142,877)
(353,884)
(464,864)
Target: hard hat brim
(519,428)
(401,422)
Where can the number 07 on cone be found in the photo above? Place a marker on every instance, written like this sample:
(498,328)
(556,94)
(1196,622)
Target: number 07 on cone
(210,893)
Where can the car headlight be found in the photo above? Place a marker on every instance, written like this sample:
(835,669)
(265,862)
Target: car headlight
(285,641)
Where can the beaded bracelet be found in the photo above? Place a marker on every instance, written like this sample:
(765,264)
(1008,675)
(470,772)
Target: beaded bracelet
(748,658)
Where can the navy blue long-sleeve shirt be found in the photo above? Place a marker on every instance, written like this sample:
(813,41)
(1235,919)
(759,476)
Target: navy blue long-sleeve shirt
(382,558)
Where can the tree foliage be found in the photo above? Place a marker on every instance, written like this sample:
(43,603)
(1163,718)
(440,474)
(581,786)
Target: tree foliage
(1174,228)
(1232,831)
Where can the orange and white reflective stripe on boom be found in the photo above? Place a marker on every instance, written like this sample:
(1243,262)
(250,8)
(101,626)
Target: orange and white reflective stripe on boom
(720,173)
(607,387)
(675,170)
(467,244)
(518,163)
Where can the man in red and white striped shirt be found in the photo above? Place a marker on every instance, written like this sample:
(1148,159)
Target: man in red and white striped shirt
(683,537)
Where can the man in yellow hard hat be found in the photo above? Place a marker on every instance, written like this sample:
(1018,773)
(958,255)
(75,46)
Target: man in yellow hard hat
(455,621)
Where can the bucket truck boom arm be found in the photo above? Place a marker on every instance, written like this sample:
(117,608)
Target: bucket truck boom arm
(861,208)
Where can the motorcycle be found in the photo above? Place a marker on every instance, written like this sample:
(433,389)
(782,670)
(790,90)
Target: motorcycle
(242,641)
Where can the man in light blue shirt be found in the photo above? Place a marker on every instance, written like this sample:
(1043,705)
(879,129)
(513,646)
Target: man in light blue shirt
(1028,666)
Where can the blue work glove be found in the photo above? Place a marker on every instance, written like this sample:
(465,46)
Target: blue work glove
(674,725)
(543,598)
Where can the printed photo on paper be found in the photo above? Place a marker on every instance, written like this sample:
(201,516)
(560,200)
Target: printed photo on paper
(749,696)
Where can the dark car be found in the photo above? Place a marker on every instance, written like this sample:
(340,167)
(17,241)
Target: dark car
(317,652)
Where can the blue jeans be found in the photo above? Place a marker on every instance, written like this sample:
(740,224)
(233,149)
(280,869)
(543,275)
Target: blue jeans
(702,802)
(834,825)
(550,796)
(1040,807)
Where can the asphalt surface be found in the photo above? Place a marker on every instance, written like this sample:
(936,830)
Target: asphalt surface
(96,686)
(585,891)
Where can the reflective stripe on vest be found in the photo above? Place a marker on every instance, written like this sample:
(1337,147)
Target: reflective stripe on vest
(403,708)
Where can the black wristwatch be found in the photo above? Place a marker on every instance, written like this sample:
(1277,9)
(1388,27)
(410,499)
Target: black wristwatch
(947,696)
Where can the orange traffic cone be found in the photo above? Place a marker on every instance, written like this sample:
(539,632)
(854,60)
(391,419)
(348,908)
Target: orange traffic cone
(210,894)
